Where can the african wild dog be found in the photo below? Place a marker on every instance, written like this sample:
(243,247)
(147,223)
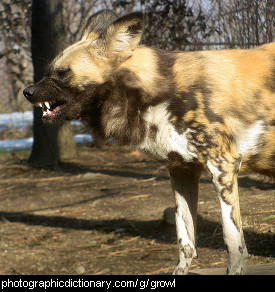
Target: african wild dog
(209,110)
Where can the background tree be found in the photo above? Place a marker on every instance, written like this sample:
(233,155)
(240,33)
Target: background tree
(52,143)
(245,23)
(197,24)
(15,50)
(170,24)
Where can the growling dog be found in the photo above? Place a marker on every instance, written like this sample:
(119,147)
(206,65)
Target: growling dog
(211,110)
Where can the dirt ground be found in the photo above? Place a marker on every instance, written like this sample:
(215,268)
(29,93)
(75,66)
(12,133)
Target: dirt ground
(102,213)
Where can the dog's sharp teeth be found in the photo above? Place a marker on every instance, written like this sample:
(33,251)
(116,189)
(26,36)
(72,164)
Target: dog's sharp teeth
(47,105)
(40,104)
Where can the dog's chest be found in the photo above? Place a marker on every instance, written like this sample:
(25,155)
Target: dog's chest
(162,139)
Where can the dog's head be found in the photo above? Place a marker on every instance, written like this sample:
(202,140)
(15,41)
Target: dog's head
(73,79)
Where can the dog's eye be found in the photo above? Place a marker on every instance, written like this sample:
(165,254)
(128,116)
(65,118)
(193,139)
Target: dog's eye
(63,71)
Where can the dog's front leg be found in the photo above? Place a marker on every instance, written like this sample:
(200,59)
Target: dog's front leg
(224,173)
(185,187)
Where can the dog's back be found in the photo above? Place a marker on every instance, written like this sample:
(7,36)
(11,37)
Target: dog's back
(234,92)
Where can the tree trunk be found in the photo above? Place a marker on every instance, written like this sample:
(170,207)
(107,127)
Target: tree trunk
(52,143)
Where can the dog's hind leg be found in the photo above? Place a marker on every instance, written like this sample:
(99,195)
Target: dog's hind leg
(185,187)
(224,172)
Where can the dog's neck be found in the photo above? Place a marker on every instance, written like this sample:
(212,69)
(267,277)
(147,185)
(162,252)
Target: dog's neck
(140,82)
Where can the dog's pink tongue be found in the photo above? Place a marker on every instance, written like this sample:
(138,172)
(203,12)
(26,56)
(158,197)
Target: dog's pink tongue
(53,112)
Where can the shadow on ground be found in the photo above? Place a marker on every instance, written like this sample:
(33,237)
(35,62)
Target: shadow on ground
(257,243)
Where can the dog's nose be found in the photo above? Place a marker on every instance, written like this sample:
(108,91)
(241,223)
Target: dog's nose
(29,91)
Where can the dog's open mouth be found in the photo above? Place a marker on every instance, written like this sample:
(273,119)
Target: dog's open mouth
(49,109)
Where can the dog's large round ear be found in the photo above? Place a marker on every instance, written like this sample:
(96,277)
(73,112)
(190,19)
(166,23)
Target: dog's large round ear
(120,39)
(97,23)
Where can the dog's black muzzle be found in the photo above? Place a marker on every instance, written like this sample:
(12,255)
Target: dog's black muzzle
(29,93)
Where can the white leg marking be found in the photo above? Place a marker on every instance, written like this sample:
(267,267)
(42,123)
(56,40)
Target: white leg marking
(234,241)
(232,231)
(185,187)
(185,234)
